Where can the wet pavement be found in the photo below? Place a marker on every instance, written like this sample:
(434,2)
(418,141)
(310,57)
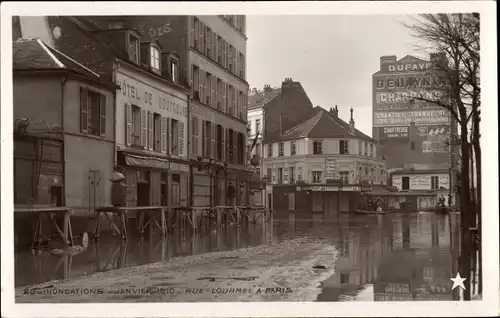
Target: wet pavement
(372,258)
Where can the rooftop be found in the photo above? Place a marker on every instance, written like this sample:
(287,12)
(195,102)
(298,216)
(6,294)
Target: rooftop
(323,124)
(33,54)
(257,98)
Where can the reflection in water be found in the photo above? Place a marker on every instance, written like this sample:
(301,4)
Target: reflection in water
(381,257)
(396,257)
(112,254)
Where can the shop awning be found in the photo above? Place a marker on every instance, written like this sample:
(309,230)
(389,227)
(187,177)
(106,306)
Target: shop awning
(146,162)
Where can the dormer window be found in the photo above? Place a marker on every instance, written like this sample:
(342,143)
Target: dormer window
(174,69)
(155,58)
(133,48)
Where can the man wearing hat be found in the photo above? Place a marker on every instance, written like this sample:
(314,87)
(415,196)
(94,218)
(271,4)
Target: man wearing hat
(118,189)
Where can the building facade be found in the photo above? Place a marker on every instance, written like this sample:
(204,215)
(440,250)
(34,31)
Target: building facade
(63,115)
(150,108)
(411,133)
(256,101)
(318,164)
(186,75)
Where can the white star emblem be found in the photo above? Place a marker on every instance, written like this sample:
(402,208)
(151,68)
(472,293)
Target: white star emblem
(458,281)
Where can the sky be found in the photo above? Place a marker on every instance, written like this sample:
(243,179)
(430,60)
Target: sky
(332,56)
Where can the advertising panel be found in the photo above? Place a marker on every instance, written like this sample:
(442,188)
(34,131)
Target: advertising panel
(405,118)
(395,108)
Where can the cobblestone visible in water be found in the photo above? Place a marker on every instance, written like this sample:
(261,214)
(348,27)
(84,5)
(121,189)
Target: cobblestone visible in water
(281,271)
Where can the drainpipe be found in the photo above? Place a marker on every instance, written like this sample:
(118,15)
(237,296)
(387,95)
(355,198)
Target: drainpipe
(115,66)
(188,152)
(63,84)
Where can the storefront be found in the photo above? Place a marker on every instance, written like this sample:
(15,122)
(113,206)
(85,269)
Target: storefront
(154,181)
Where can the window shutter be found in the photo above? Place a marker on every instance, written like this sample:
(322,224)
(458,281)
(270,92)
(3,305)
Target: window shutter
(194,143)
(150,131)
(214,46)
(223,138)
(214,140)
(213,98)
(191,30)
(203,138)
(144,128)
(201,79)
(224,91)
(102,115)
(205,90)
(202,37)
(128,125)
(84,110)
(235,147)
(163,134)
(168,138)
(181,138)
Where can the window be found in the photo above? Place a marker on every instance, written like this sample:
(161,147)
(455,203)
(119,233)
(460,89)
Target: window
(242,65)
(133,48)
(434,182)
(92,112)
(316,176)
(157,131)
(292,174)
(207,139)
(155,58)
(371,150)
(196,83)
(280,175)
(293,148)
(219,93)
(230,147)
(219,142)
(268,175)
(270,150)
(174,70)
(405,183)
(174,140)
(281,149)
(412,146)
(317,148)
(366,149)
(241,148)
(360,148)
(209,89)
(299,173)
(344,147)
(230,58)
(344,177)
(136,125)
(257,126)
(194,135)
(208,37)
(196,33)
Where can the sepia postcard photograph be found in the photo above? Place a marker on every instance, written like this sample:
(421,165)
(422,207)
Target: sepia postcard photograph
(249,159)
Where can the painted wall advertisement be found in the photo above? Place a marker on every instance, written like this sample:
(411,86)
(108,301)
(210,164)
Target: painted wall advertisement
(395,107)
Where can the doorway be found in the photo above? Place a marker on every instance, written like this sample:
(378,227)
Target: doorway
(143,187)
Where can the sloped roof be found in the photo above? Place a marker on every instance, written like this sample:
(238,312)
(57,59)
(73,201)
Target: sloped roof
(323,125)
(33,54)
(261,98)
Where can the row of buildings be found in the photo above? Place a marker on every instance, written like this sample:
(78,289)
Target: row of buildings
(316,162)
(161,99)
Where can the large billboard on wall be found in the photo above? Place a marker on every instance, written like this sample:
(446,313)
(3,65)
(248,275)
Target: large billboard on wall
(400,119)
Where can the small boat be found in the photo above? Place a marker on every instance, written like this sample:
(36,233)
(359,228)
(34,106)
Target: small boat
(358,211)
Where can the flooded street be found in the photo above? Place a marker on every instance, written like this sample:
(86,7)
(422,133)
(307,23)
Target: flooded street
(373,258)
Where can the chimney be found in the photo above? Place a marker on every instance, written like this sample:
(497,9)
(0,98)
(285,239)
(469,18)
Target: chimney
(267,89)
(334,112)
(387,59)
(352,129)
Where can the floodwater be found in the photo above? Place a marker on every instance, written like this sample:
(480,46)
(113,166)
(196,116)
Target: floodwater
(381,258)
